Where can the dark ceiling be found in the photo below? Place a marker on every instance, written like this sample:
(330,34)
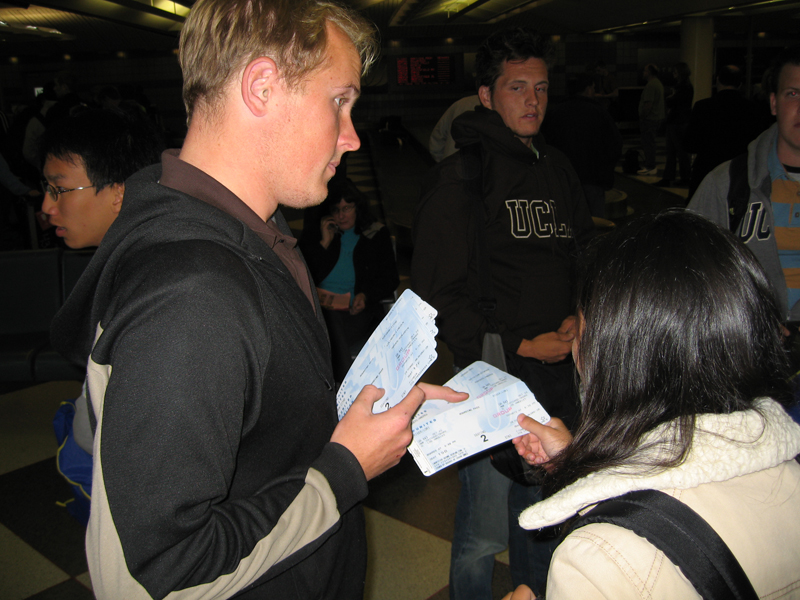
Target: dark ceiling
(54,27)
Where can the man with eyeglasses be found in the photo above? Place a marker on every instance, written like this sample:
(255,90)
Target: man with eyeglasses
(87,159)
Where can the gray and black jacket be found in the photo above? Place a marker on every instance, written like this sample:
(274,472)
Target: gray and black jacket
(756,229)
(212,396)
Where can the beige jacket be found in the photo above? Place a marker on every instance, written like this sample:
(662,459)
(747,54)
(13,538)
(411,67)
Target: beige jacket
(740,476)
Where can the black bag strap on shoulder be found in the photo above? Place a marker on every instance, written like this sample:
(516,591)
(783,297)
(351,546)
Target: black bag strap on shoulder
(738,191)
(682,535)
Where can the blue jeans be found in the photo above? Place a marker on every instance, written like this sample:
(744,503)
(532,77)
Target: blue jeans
(486,523)
(487,514)
(481,529)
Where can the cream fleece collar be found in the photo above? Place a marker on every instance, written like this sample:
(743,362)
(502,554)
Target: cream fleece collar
(724,447)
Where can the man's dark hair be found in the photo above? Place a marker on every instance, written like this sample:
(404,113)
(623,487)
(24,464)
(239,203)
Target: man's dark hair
(679,320)
(111,146)
(790,56)
(730,75)
(517,44)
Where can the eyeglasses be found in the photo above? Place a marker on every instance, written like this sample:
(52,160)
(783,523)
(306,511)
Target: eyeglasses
(345,210)
(54,192)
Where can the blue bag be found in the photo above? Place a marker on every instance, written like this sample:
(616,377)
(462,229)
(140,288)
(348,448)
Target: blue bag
(73,463)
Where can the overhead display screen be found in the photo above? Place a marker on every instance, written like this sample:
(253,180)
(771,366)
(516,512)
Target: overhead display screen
(425,70)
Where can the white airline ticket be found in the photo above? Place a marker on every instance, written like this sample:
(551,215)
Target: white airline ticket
(446,433)
(396,355)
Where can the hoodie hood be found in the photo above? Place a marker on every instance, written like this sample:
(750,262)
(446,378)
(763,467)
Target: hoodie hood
(759,171)
(151,214)
(487,127)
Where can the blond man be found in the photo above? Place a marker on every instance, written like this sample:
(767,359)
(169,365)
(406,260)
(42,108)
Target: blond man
(220,466)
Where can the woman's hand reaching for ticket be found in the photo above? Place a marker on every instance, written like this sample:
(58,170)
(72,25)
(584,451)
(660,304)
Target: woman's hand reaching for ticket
(542,442)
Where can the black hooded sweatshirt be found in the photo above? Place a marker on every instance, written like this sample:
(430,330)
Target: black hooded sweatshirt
(535,217)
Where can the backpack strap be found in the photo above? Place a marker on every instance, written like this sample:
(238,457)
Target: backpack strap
(682,535)
(738,191)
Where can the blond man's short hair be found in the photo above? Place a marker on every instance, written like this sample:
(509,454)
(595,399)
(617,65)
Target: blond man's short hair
(220,37)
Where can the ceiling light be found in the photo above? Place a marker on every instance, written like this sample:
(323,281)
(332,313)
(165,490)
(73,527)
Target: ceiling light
(167,6)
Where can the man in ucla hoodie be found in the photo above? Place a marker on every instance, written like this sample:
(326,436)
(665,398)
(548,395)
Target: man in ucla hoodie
(220,467)
(532,212)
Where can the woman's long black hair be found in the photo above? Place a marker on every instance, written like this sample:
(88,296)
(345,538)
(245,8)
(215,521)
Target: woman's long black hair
(679,320)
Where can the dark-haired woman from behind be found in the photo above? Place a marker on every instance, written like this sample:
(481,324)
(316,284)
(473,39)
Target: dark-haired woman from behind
(350,255)
(684,376)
